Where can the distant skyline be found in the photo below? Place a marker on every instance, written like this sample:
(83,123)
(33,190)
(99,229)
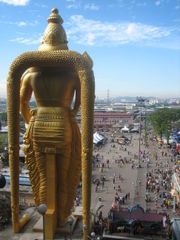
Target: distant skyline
(134,44)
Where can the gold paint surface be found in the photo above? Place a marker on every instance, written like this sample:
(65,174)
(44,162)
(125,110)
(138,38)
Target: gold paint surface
(55,75)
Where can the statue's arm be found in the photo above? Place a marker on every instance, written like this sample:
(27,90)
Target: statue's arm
(25,96)
(77,99)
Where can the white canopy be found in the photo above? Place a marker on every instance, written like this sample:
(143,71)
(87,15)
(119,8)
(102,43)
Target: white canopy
(125,129)
(97,138)
(21,153)
(4,129)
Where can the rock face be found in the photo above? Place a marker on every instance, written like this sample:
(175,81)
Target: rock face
(5,209)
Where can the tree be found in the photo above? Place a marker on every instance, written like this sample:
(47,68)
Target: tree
(3,116)
(5,158)
(176,125)
(2,142)
(162,120)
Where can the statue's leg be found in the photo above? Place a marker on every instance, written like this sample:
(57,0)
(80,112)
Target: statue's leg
(68,174)
(63,165)
(41,164)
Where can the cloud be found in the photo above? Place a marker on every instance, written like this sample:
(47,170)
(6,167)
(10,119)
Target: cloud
(3,89)
(21,24)
(27,41)
(158,2)
(16,2)
(73,4)
(91,32)
(91,6)
(40,5)
(79,4)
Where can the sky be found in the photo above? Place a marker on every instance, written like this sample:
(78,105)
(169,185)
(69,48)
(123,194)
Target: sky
(134,44)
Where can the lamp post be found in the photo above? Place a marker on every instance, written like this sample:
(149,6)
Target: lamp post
(139,150)
(141,101)
(42,210)
(174,203)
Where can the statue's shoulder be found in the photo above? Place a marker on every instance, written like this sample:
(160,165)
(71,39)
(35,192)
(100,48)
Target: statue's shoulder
(29,73)
(88,59)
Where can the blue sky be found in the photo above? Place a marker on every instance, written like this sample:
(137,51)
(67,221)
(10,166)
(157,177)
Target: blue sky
(135,44)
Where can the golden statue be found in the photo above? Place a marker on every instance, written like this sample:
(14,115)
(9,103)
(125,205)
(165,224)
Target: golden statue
(53,151)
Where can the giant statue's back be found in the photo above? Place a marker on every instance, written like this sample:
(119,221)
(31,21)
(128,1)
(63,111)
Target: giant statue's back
(52,142)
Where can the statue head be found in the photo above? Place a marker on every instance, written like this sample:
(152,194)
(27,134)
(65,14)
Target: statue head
(54,35)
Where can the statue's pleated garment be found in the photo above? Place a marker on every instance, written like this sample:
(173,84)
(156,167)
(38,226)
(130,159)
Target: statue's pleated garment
(54,128)
(30,159)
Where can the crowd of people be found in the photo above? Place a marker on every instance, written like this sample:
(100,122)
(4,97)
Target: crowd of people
(159,164)
(115,175)
(160,168)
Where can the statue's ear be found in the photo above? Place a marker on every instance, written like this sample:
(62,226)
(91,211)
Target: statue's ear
(88,59)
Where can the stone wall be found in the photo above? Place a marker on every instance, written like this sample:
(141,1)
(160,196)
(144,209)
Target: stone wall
(25,201)
(5,209)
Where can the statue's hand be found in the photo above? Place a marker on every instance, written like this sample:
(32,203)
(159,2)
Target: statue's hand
(33,112)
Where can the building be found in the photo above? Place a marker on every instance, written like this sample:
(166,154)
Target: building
(110,119)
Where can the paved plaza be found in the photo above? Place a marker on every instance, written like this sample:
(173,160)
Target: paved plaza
(125,176)
(130,179)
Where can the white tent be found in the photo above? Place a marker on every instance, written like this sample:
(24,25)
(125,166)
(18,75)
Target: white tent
(21,153)
(135,129)
(125,129)
(97,138)
(4,129)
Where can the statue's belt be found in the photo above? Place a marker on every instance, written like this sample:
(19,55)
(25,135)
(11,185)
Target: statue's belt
(53,113)
(49,149)
(44,117)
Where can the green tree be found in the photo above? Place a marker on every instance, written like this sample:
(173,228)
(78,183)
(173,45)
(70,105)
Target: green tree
(176,125)
(162,120)
(3,116)
(2,139)
(5,158)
